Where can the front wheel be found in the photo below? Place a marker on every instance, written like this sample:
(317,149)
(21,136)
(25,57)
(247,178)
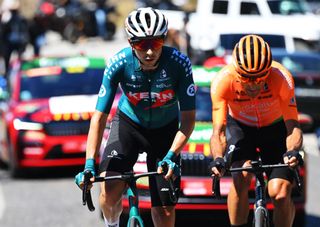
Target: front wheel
(14,170)
(261,217)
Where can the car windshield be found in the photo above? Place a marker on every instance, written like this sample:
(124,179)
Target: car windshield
(297,63)
(228,41)
(287,7)
(203,104)
(86,82)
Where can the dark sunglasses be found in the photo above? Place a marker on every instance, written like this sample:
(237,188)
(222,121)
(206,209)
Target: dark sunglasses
(146,44)
(244,78)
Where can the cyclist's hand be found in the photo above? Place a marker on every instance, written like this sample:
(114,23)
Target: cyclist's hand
(217,167)
(173,168)
(90,166)
(293,158)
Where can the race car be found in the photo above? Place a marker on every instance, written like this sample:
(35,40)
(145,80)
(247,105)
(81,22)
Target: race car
(45,121)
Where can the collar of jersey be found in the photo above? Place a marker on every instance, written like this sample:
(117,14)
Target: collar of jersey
(136,64)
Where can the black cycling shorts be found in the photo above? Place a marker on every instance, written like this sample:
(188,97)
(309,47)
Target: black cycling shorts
(127,139)
(243,142)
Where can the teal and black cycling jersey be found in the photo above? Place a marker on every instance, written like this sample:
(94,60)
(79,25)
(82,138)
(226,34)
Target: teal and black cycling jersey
(151,99)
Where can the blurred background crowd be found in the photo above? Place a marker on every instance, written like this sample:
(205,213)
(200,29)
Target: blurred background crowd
(26,22)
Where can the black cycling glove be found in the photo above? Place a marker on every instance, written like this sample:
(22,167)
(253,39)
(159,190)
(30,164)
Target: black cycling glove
(219,163)
(294,153)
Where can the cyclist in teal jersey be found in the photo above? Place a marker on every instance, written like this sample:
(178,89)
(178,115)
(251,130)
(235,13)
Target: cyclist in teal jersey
(156,115)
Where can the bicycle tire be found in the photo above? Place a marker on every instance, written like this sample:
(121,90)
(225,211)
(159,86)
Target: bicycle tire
(261,218)
(135,222)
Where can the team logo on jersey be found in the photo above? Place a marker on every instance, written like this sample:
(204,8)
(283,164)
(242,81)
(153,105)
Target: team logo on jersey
(231,148)
(157,98)
(102,91)
(163,85)
(163,74)
(133,77)
(113,153)
(292,101)
(191,90)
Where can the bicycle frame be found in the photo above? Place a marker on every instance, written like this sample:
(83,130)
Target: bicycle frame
(261,214)
(134,214)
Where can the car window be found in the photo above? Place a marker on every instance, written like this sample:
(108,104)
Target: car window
(299,63)
(76,83)
(228,41)
(220,7)
(203,104)
(249,8)
(287,7)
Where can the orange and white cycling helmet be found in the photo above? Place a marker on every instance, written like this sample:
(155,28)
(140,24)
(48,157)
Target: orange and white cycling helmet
(252,57)
(146,23)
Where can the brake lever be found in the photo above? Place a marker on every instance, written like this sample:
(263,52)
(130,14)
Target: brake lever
(216,187)
(86,194)
(172,192)
(297,175)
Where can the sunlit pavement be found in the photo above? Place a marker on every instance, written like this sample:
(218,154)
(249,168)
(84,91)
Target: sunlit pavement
(313,182)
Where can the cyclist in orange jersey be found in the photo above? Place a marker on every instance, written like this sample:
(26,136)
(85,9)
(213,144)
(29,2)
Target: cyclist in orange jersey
(254,108)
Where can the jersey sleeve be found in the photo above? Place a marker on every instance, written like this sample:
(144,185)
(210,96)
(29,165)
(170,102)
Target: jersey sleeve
(218,90)
(186,88)
(108,88)
(287,96)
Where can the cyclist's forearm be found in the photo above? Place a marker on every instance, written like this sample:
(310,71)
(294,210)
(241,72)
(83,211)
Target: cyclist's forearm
(184,132)
(97,126)
(179,142)
(294,135)
(218,141)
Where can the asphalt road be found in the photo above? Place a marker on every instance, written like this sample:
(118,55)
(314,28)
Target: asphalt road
(53,200)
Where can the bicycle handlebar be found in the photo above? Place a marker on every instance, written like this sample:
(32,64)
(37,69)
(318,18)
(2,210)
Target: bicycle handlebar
(127,177)
(256,168)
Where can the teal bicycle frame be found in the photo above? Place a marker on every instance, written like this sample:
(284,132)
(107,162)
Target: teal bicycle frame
(134,214)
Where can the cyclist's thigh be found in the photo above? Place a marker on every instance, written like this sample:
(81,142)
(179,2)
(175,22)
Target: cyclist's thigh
(272,141)
(240,141)
(160,141)
(122,149)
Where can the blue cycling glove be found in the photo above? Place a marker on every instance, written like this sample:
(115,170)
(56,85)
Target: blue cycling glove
(169,159)
(89,165)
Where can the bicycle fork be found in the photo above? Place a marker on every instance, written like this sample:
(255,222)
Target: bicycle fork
(261,218)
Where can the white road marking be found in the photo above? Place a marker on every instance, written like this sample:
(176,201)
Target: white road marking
(2,203)
(310,144)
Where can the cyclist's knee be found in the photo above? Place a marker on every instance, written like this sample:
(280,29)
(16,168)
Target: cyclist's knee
(110,199)
(163,211)
(163,216)
(241,180)
(111,194)
(280,191)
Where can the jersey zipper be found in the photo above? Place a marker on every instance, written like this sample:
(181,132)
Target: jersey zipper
(257,112)
(150,100)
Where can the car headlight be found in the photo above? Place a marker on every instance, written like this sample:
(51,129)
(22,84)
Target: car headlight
(23,125)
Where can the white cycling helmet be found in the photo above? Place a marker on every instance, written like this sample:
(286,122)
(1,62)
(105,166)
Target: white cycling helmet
(146,22)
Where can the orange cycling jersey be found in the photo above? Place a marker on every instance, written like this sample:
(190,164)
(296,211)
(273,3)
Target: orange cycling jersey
(275,101)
